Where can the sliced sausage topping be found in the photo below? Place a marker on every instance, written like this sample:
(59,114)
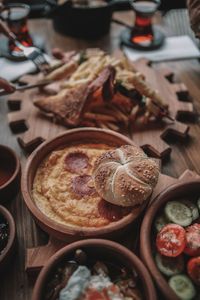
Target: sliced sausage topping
(83,185)
(76,162)
(112,212)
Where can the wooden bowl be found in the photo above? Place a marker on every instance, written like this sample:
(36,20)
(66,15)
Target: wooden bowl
(8,250)
(60,231)
(10,170)
(191,187)
(102,250)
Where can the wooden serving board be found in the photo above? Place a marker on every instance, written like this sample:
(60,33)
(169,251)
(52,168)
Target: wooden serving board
(37,257)
(33,127)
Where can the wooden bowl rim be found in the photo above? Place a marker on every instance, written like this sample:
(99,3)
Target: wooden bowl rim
(145,233)
(141,270)
(17,167)
(12,233)
(65,229)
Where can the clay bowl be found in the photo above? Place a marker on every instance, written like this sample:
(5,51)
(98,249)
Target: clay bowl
(9,173)
(60,231)
(180,190)
(101,250)
(8,250)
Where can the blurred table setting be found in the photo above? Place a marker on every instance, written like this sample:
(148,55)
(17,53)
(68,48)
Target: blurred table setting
(177,49)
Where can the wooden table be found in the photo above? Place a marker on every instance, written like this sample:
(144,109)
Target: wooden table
(14,283)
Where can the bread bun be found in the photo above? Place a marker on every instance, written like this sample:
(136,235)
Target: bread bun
(125,176)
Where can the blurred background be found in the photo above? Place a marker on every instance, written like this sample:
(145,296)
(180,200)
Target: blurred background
(38,7)
(174,12)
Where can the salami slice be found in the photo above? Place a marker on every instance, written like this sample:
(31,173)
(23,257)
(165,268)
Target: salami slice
(76,162)
(112,212)
(83,185)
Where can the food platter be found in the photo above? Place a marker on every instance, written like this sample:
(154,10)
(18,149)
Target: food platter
(36,257)
(44,123)
(34,127)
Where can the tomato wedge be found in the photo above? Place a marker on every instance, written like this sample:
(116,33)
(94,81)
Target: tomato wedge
(193,268)
(95,295)
(193,240)
(171,240)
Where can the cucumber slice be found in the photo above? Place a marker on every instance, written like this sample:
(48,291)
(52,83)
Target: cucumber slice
(182,286)
(160,222)
(198,203)
(178,213)
(170,266)
(193,207)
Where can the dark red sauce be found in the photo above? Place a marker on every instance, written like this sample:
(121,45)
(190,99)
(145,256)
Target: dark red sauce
(6,169)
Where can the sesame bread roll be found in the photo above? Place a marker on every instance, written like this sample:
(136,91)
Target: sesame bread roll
(125,176)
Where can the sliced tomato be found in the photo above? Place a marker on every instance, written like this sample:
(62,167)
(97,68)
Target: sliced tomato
(193,240)
(94,295)
(171,240)
(193,268)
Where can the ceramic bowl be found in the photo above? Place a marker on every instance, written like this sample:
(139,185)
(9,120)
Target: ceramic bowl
(180,190)
(9,173)
(99,249)
(60,231)
(9,248)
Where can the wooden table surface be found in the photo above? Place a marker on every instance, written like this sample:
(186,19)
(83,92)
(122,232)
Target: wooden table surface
(14,282)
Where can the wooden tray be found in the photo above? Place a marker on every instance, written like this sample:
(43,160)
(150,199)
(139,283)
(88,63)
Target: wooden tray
(37,257)
(33,127)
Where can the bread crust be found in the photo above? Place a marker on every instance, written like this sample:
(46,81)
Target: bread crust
(125,176)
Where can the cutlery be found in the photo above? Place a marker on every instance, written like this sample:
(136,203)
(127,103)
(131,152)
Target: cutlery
(32,53)
(26,87)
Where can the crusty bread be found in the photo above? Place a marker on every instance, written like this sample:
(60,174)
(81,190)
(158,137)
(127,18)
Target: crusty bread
(125,176)
(66,106)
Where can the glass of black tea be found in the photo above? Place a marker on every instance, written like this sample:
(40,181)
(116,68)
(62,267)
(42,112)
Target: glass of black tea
(142,32)
(16,16)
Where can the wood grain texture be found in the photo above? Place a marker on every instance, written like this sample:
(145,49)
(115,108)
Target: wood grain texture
(15,283)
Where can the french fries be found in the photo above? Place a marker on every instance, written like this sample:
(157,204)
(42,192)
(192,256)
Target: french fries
(122,109)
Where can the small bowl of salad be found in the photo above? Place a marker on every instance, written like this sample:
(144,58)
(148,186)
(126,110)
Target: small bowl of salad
(94,270)
(171,233)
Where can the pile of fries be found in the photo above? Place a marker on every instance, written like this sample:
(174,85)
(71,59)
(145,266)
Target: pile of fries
(129,97)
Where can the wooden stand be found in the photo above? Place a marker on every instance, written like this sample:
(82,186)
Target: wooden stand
(37,257)
(34,127)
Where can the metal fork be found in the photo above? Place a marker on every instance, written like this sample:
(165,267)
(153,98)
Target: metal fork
(32,53)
